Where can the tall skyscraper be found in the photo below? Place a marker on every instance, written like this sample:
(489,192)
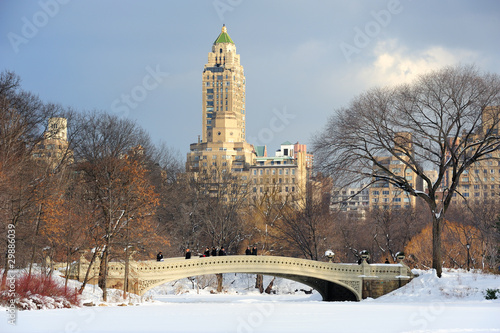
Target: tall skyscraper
(222,145)
(223,91)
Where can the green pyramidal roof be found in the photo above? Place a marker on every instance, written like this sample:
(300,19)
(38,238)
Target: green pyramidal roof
(223,37)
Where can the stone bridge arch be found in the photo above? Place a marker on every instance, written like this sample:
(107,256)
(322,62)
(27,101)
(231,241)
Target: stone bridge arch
(330,290)
(334,281)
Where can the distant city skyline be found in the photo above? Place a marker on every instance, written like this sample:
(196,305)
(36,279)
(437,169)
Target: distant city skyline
(302,59)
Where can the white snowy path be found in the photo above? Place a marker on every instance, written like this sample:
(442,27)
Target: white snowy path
(454,303)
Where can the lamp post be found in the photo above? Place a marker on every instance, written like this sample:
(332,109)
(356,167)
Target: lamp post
(330,255)
(468,257)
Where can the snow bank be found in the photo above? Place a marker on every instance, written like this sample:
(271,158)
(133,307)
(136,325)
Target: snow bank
(454,284)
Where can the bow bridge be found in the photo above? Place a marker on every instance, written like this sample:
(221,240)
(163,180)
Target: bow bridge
(334,281)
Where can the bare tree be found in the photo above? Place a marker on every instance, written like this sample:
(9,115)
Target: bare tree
(441,121)
(23,117)
(392,230)
(222,195)
(114,180)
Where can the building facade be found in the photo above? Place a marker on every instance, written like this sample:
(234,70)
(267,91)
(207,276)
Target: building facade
(354,201)
(54,146)
(481,182)
(284,175)
(384,195)
(222,147)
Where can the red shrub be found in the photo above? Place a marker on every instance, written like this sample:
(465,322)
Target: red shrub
(38,291)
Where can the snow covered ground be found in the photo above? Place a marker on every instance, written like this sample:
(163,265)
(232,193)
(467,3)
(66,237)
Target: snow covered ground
(454,303)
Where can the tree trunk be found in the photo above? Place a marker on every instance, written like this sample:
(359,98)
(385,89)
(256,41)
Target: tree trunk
(35,234)
(87,273)
(437,227)
(259,283)
(219,282)
(103,274)
(68,263)
(125,280)
(270,286)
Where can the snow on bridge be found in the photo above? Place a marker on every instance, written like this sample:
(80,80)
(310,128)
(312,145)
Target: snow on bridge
(334,281)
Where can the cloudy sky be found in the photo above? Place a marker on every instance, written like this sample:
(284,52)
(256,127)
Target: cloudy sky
(302,59)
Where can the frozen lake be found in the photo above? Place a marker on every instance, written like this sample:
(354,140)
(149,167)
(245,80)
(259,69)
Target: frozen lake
(452,304)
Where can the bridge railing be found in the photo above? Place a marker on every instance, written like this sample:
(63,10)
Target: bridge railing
(150,268)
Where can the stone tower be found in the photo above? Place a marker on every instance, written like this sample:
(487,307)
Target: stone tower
(222,145)
(223,90)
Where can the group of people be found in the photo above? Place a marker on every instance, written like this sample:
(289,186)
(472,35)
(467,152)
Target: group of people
(252,252)
(213,253)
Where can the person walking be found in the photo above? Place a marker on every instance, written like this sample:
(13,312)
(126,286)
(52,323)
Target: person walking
(207,252)
(214,251)
(254,251)
(188,254)
(222,251)
(248,251)
(159,256)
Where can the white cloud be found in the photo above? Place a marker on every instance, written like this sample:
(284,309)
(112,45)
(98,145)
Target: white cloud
(396,64)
